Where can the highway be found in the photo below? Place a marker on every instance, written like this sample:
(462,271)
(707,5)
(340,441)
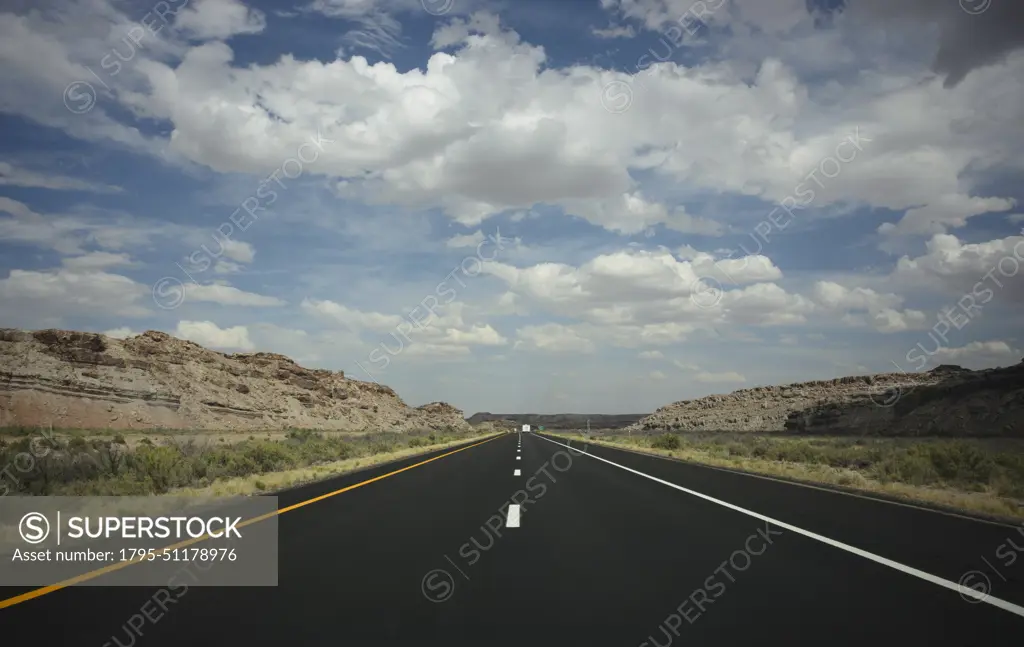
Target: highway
(607,547)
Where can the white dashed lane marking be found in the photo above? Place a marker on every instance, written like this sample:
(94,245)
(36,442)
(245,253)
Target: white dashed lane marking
(513,516)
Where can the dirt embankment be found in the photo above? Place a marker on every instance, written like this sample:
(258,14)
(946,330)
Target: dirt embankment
(154,381)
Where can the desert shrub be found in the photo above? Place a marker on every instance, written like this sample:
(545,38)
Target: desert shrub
(160,466)
(905,465)
(852,479)
(112,458)
(378,443)
(122,485)
(738,449)
(796,452)
(268,456)
(20,430)
(229,462)
(666,441)
(962,462)
(77,466)
(381,447)
(843,457)
(303,435)
(1010,478)
(77,444)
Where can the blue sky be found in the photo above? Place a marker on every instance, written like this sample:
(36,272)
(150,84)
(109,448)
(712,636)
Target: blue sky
(590,205)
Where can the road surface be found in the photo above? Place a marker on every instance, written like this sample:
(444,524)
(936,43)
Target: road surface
(607,547)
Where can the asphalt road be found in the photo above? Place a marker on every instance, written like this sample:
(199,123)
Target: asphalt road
(602,556)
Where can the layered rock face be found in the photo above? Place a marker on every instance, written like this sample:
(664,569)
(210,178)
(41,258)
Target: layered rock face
(90,381)
(946,401)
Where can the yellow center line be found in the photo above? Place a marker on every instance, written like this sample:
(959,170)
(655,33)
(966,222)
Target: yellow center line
(35,593)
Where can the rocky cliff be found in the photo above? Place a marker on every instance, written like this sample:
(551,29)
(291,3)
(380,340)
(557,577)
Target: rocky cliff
(89,381)
(946,401)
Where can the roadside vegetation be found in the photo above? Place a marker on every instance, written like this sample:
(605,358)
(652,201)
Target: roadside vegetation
(980,475)
(62,463)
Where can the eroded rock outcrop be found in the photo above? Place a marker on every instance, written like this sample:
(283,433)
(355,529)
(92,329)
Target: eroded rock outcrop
(946,401)
(89,381)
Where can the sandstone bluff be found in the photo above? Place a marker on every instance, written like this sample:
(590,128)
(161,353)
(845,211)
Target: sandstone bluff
(77,380)
(945,401)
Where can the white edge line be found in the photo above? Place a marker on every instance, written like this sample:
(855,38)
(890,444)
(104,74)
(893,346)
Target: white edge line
(909,570)
(811,486)
(513,516)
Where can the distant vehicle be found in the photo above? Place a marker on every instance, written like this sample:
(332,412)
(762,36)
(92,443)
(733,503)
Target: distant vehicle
(526,428)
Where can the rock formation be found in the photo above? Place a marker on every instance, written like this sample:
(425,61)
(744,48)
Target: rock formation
(946,401)
(77,380)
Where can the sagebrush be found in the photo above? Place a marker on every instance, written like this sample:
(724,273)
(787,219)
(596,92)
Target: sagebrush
(76,465)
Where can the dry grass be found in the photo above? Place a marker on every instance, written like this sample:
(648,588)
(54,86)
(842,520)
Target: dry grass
(276,481)
(74,465)
(202,437)
(253,484)
(900,468)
